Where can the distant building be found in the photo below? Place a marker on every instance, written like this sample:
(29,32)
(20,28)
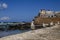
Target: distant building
(47,16)
(57,14)
(48,13)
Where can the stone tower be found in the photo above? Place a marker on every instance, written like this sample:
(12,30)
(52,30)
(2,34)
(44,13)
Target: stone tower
(43,11)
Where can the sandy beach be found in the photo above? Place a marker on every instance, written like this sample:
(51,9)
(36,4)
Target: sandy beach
(49,33)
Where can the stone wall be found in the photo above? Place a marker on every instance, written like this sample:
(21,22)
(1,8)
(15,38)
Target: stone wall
(40,20)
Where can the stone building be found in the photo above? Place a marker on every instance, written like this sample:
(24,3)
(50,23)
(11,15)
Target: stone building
(47,16)
(48,13)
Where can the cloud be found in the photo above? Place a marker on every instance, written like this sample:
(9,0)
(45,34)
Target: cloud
(4,18)
(3,5)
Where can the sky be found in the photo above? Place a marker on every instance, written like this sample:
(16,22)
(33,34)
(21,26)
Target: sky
(25,10)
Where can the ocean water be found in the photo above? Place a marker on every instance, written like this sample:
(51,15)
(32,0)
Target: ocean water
(11,32)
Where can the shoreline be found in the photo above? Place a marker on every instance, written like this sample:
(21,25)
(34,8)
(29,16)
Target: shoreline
(48,33)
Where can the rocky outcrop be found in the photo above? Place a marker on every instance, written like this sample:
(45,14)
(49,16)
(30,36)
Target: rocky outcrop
(47,17)
(40,20)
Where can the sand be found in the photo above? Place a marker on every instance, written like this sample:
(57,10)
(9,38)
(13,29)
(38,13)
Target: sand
(48,33)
